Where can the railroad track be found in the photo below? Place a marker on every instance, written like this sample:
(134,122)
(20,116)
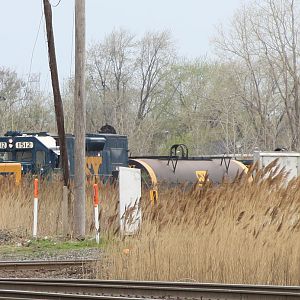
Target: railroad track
(96,289)
(42,264)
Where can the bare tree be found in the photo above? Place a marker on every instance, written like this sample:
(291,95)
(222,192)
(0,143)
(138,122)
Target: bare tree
(22,106)
(281,51)
(110,70)
(12,90)
(155,56)
(263,45)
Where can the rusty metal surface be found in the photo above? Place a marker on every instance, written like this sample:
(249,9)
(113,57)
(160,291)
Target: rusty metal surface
(139,289)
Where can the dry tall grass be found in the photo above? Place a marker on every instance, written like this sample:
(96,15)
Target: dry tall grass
(16,207)
(234,233)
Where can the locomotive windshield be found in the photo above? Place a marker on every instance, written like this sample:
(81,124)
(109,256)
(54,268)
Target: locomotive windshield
(5,156)
(24,156)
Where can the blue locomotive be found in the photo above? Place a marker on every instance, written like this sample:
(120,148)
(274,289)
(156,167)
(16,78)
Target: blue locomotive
(39,152)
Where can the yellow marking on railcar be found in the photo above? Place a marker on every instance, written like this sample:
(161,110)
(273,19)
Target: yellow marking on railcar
(14,168)
(201,176)
(244,168)
(93,164)
(153,190)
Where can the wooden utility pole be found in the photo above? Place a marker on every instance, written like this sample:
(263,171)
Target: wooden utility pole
(79,121)
(59,112)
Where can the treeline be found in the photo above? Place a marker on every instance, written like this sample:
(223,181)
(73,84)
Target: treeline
(247,96)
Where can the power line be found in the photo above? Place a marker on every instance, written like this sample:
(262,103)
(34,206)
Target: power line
(72,43)
(32,54)
(46,49)
(36,38)
(55,4)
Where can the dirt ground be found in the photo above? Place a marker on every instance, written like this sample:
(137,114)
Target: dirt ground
(63,273)
(15,247)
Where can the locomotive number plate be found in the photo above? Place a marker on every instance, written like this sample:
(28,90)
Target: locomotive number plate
(3,145)
(24,145)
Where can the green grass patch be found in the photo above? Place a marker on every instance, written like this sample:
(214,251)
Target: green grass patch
(36,248)
(48,244)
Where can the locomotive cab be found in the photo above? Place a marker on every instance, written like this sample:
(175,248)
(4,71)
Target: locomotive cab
(37,152)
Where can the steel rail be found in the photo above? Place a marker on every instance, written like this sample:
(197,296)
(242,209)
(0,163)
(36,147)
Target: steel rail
(21,295)
(154,289)
(42,264)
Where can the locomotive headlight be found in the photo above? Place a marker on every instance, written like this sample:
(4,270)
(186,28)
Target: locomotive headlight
(10,141)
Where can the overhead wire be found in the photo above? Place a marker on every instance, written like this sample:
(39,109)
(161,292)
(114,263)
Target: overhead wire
(32,54)
(72,43)
(55,4)
(45,40)
(47,85)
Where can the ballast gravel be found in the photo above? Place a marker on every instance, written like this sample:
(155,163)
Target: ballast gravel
(17,248)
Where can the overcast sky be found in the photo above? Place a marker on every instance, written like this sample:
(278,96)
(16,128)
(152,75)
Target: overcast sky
(191,22)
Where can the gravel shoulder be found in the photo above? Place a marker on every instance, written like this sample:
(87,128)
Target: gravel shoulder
(15,247)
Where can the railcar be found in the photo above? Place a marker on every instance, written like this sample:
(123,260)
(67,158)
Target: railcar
(180,168)
(38,153)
